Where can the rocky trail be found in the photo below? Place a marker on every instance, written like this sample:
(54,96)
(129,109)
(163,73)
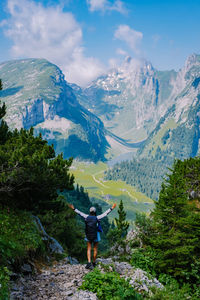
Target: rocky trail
(62,280)
(58,282)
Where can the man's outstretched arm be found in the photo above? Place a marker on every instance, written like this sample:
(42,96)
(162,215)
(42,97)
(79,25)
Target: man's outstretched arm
(106,212)
(80,213)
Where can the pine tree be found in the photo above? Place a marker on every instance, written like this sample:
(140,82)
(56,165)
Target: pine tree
(176,222)
(121,223)
(4,130)
(31,175)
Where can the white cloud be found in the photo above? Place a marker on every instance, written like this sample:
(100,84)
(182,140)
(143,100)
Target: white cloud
(97,4)
(105,5)
(130,36)
(37,31)
(121,52)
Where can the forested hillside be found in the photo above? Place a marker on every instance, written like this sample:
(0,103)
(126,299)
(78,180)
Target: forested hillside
(145,174)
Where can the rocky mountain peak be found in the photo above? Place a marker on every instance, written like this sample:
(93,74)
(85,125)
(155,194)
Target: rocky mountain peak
(191,68)
(193,59)
(132,67)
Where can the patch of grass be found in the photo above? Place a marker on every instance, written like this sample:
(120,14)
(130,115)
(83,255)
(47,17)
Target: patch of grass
(157,139)
(91,177)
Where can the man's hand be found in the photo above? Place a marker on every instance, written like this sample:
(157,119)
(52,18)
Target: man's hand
(114,205)
(71,206)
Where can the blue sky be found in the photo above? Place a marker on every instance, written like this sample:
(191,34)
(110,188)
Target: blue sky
(87,37)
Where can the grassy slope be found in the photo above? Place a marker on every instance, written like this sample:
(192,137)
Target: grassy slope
(157,139)
(90,176)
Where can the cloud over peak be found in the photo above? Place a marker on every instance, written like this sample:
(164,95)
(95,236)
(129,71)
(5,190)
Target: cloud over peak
(130,36)
(51,33)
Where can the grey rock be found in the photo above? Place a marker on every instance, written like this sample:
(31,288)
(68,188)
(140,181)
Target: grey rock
(60,273)
(105,261)
(26,269)
(73,261)
(139,279)
(69,293)
(52,243)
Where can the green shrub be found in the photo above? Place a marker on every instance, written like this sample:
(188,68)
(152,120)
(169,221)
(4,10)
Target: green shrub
(173,291)
(108,286)
(4,279)
(19,236)
(144,259)
(63,226)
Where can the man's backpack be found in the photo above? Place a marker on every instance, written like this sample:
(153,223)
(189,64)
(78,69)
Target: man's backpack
(91,228)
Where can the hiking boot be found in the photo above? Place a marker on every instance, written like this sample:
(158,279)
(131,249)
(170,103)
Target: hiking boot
(94,264)
(89,266)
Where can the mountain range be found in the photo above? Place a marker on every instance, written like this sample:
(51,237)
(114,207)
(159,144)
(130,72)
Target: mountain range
(132,106)
(36,94)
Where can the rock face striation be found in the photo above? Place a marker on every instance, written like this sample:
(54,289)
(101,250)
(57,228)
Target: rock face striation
(53,245)
(177,133)
(36,94)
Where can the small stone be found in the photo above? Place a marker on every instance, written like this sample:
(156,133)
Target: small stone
(69,293)
(60,273)
(26,269)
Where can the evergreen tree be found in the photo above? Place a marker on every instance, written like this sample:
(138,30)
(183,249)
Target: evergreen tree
(119,228)
(176,222)
(31,175)
(122,224)
(4,131)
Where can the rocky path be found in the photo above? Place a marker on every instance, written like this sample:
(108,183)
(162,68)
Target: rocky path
(59,282)
(62,281)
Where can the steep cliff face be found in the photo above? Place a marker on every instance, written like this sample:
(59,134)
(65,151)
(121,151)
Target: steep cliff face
(131,99)
(177,133)
(36,94)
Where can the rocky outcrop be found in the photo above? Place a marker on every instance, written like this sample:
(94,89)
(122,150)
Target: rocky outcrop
(139,279)
(53,245)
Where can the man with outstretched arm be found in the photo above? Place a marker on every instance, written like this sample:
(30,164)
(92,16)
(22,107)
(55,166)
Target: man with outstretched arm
(92,231)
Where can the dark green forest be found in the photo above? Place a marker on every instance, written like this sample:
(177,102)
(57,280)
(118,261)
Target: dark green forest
(144,174)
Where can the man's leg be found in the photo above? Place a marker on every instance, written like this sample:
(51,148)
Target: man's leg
(95,251)
(89,247)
